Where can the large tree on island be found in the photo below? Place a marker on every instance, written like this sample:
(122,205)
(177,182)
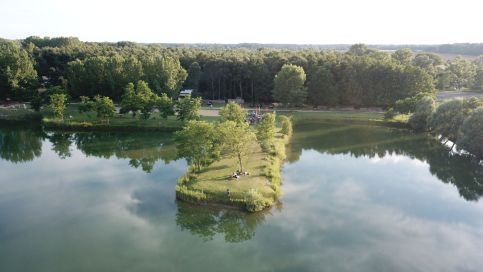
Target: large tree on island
(236,139)
(289,85)
(197,143)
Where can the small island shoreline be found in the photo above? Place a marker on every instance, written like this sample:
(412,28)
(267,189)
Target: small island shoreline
(260,190)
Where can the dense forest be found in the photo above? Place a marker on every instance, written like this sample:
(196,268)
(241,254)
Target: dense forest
(359,76)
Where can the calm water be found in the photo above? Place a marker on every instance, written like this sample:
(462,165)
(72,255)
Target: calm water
(356,198)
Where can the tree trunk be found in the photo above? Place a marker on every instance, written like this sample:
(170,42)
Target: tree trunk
(212,88)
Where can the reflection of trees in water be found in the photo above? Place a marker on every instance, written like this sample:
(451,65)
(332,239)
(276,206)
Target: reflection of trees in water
(143,149)
(20,144)
(206,222)
(356,140)
(61,143)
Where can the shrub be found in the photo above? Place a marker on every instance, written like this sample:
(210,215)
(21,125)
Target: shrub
(422,113)
(286,123)
(57,104)
(255,201)
(448,118)
(233,112)
(266,131)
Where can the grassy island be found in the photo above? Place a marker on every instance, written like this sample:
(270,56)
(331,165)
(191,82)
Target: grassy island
(254,192)
(233,163)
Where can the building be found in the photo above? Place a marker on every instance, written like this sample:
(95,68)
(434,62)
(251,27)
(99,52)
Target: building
(185,93)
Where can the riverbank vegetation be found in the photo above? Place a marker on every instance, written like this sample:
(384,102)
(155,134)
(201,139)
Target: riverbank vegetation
(457,120)
(231,162)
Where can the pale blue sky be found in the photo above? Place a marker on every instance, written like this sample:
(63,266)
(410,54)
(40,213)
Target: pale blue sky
(259,21)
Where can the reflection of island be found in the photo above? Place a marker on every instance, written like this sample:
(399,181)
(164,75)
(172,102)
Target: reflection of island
(20,144)
(360,140)
(207,221)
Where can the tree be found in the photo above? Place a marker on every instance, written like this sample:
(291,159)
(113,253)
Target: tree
(403,56)
(289,85)
(130,101)
(321,87)
(146,98)
(194,76)
(233,112)
(479,80)
(359,49)
(470,137)
(266,131)
(448,118)
(104,107)
(236,140)
(423,110)
(462,73)
(165,105)
(57,104)
(17,71)
(188,108)
(196,142)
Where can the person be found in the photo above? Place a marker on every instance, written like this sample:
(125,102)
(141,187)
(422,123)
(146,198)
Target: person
(228,192)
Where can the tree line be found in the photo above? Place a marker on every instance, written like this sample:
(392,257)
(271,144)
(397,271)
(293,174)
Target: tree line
(359,77)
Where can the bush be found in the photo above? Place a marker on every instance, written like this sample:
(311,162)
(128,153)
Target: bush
(424,108)
(266,131)
(287,126)
(470,137)
(255,201)
(233,112)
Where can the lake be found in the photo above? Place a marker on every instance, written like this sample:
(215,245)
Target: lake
(356,198)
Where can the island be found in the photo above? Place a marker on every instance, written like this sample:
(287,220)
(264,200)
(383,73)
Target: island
(234,163)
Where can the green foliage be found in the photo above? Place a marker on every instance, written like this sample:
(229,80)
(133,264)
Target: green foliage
(187,194)
(255,201)
(266,131)
(86,105)
(403,56)
(462,73)
(235,139)
(424,109)
(408,105)
(17,71)
(104,107)
(198,144)
(289,85)
(321,87)
(448,118)
(188,108)
(233,112)
(286,124)
(165,105)
(470,137)
(58,105)
(36,102)
(143,99)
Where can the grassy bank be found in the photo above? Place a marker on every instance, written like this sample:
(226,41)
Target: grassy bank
(257,191)
(19,115)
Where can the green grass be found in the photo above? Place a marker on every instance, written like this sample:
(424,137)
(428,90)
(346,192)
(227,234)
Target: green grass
(18,114)
(73,120)
(259,190)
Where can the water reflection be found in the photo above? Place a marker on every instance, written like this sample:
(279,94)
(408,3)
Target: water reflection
(377,142)
(21,144)
(206,222)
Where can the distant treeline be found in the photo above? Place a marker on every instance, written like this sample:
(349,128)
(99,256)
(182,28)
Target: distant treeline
(359,76)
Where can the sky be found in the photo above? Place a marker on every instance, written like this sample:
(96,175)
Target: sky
(251,21)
